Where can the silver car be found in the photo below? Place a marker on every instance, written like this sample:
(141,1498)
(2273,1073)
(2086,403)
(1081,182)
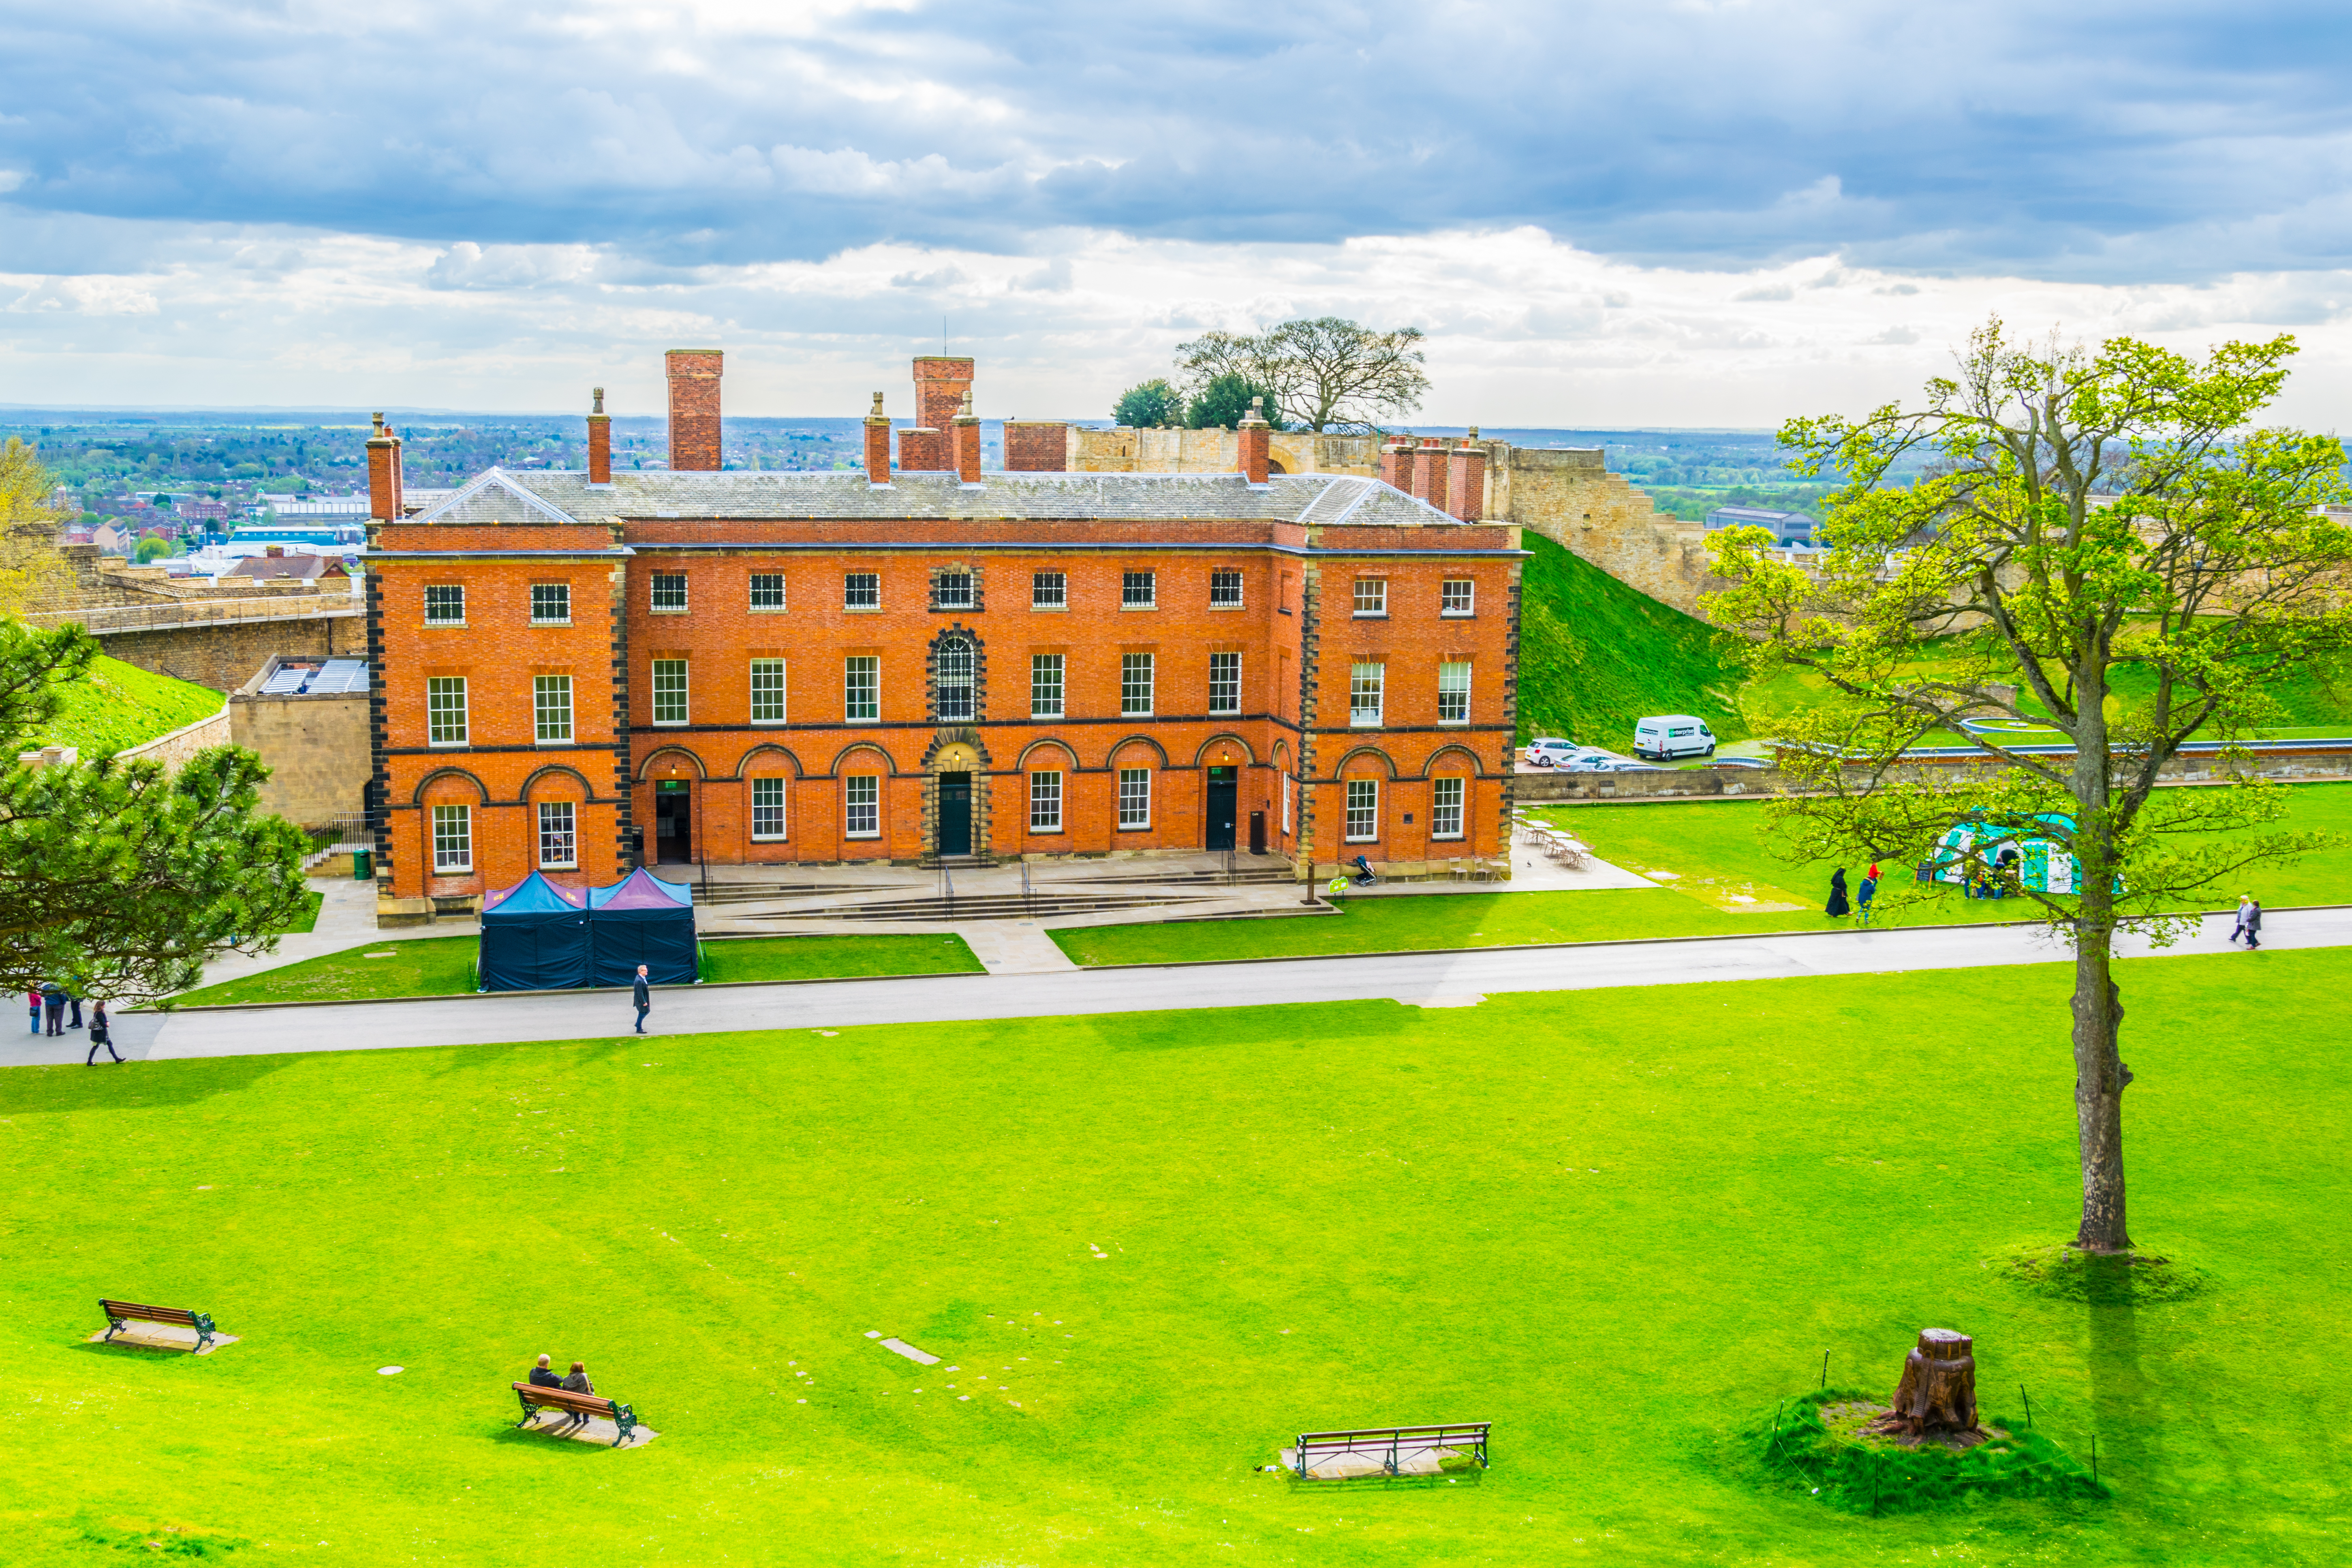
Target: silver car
(1550,753)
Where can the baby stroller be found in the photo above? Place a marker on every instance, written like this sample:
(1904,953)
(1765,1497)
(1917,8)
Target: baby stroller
(1365,875)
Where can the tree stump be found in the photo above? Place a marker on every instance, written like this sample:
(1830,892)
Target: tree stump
(1937,1396)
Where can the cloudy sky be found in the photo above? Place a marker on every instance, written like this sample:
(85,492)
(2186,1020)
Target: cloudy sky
(1680,212)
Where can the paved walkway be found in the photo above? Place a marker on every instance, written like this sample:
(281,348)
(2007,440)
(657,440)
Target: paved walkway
(1446,978)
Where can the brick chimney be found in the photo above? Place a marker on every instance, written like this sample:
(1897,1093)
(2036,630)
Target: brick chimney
(967,442)
(1036,445)
(694,408)
(940,383)
(1255,440)
(599,442)
(1429,472)
(877,445)
(383,474)
(923,451)
(1396,464)
(1466,480)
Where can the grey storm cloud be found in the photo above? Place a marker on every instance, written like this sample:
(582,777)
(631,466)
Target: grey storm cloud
(2096,142)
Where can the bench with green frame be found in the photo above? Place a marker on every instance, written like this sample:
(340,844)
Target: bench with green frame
(121,1314)
(536,1397)
(1389,1444)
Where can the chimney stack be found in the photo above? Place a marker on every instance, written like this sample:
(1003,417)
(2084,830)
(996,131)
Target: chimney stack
(599,442)
(940,383)
(1429,472)
(877,445)
(967,443)
(383,474)
(1256,438)
(1396,464)
(1036,445)
(1466,481)
(694,408)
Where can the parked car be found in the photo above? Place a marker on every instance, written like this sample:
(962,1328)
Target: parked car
(1741,762)
(1665,736)
(1593,760)
(1550,753)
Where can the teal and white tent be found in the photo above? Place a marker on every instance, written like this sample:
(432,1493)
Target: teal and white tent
(1971,847)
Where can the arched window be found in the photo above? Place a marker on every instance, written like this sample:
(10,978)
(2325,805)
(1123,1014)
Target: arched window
(954,682)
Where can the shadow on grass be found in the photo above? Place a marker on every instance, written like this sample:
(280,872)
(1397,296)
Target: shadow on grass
(1279,1024)
(1472,1477)
(133,1086)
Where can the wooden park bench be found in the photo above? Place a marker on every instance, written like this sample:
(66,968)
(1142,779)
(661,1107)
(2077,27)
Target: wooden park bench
(120,1314)
(536,1398)
(1396,1448)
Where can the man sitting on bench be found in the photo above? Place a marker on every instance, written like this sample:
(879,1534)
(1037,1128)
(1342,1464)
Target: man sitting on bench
(543,1374)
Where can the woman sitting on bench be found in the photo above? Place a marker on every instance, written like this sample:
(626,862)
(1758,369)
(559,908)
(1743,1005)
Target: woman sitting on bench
(578,1383)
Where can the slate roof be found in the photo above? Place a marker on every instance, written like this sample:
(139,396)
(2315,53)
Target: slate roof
(544,497)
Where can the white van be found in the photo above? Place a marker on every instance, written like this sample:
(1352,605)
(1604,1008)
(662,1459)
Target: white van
(1665,736)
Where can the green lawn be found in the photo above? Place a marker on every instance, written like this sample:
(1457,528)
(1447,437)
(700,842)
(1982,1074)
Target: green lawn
(1710,856)
(121,705)
(444,966)
(1620,1225)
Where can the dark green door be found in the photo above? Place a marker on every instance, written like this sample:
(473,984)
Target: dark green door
(1224,791)
(955,814)
(674,820)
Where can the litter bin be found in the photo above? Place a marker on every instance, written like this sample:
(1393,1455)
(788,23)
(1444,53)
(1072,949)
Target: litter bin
(362,866)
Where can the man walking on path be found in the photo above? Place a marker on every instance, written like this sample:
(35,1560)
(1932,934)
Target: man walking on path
(644,997)
(100,1035)
(53,1002)
(2238,926)
(2253,918)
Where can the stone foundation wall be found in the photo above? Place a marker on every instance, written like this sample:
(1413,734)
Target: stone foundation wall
(317,749)
(1684,783)
(174,749)
(222,655)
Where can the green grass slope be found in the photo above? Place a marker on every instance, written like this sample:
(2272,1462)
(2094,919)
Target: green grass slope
(1595,655)
(118,705)
(1622,1225)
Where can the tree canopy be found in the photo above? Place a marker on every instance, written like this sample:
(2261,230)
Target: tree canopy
(1149,404)
(2104,546)
(1224,403)
(1326,373)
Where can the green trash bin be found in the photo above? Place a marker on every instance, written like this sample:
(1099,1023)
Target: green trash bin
(362,866)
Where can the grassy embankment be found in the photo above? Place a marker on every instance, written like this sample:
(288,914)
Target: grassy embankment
(1620,1225)
(122,705)
(1718,876)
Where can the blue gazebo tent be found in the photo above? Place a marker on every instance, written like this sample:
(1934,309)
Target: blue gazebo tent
(534,937)
(642,919)
(2041,867)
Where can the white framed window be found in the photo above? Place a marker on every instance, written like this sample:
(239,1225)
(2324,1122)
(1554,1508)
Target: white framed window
(1224,683)
(951,591)
(670,691)
(559,836)
(1135,683)
(1045,686)
(1363,810)
(1372,595)
(444,709)
(766,809)
(1460,597)
(550,603)
(767,591)
(861,686)
(453,839)
(1134,797)
(550,708)
(1049,591)
(1453,692)
(1045,803)
(861,590)
(445,604)
(953,665)
(1287,820)
(1445,808)
(669,593)
(1139,591)
(861,799)
(1224,590)
(767,691)
(1366,683)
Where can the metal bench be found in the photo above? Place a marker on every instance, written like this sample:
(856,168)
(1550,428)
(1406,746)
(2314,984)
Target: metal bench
(1394,1447)
(120,1315)
(536,1398)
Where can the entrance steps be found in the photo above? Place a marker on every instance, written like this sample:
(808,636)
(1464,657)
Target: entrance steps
(1240,877)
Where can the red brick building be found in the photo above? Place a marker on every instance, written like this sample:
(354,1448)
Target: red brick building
(922,661)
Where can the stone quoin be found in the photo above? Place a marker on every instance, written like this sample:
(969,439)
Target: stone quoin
(920,661)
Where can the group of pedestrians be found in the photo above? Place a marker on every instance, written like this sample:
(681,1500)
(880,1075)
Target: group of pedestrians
(2248,926)
(48,1002)
(543,1377)
(1865,890)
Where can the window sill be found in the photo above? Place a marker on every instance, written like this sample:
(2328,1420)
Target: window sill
(1132,713)
(448,746)
(1457,614)
(861,718)
(864,838)
(767,609)
(656,611)
(770,724)
(551,623)
(1050,609)
(955,609)
(1136,827)
(1216,608)
(861,609)
(1370,615)
(1041,718)
(1047,833)
(780,838)
(1359,841)
(1363,723)
(671,723)
(1446,838)
(558,865)
(444,626)
(1125,607)
(1454,724)
(553,745)
(1224,712)
(452,871)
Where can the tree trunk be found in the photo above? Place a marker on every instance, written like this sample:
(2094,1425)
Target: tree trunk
(2099,1073)
(1937,1396)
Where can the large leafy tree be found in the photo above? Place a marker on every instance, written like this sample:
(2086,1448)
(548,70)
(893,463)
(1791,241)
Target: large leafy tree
(1326,373)
(1227,400)
(1149,404)
(2105,545)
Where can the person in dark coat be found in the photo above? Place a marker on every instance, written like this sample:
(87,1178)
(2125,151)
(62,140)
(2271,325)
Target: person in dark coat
(643,997)
(73,1000)
(543,1374)
(2253,924)
(578,1383)
(1837,904)
(100,1035)
(53,1003)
